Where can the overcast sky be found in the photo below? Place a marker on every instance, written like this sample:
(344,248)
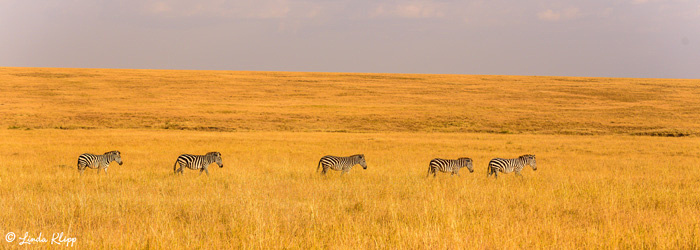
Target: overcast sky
(616,38)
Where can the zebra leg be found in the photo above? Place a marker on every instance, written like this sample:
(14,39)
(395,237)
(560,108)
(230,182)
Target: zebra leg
(206,170)
(346,170)
(325,169)
(105,170)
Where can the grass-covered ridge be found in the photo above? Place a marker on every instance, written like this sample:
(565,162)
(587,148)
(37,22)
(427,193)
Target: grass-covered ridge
(288,101)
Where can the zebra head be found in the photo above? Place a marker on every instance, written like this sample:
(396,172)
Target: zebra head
(217,158)
(467,162)
(115,156)
(530,160)
(361,160)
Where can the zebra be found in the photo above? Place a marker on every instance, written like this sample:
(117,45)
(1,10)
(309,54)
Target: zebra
(98,161)
(449,166)
(338,163)
(200,162)
(511,165)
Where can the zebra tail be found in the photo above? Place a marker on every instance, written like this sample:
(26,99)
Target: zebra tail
(319,165)
(175,167)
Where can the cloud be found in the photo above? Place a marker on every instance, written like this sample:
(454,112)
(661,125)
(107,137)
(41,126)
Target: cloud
(414,9)
(548,15)
(693,14)
(552,16)
(648,1)
(159,7)
(257,9)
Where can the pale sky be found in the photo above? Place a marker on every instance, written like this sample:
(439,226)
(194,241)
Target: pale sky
(610,38)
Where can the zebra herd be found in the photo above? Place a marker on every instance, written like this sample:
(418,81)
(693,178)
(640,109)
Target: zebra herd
(495,165)
(336,163)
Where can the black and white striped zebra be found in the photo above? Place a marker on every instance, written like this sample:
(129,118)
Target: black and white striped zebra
(200,162)
(449,166)
(511,165)
(98,161)
(338,163)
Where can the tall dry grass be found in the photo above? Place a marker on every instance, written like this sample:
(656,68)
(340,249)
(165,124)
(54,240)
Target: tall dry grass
(607,190)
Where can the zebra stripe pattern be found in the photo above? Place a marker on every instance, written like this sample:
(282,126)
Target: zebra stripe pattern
(200,162)
(338,163)
(98,161)
(449,166)
(511,165)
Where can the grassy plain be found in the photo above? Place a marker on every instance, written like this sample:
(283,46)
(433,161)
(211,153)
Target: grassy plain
(603,180)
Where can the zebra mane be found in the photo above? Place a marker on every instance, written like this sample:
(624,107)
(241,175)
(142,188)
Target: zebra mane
(465,159)
(113,152)
(214,153)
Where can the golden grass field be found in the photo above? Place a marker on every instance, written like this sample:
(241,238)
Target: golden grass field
(618,160)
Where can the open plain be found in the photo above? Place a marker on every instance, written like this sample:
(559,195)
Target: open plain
(618,160)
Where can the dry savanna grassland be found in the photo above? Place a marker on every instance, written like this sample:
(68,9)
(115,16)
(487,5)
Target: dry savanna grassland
(618,160)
